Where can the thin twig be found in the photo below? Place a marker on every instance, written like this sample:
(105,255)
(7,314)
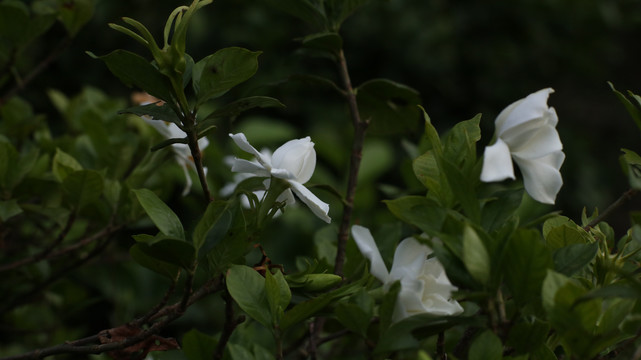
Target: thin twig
(231,322)
(53,55)
(440,346)
(360,126)
(192,138)
(625,197)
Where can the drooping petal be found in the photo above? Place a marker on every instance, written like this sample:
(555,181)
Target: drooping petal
(409,257)
(497,163)
(188,182)
(298,157)
(242,143)
(541,177)
(409,300)
(531,107)
(246,166)
(541,142)
(365,242)
(318,207)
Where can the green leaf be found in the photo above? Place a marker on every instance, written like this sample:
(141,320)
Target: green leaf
(475,256)
(563,235)
(632,167)
(327,41)
(424,213)
(278,294)
(486,346)
(160,113)
(460,142)
(235,108)
(75,14)
(526,263)
(498,210)
(431,135)
(14,22)
(634,111)
(386,310)
(139,255)
(528,335)
(134,70)
(9,209)
(429,174)
(247,288)
(83,187)
(167,249)
(212,226)
(302,9)
(198,346)
(217,73)
(164,218)
(390,107)
(310,307)
(570,259)
(64,164)
(465,191)
(353,317)
(339,10)
(239,352)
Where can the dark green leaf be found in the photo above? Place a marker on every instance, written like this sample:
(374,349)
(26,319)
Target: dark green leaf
(352,317)
(160,113)
(161,267)
(83,187)
(617,290)
(497,211)
(63,165)
(247,288)
(460,142)
(632,166)
(14,22)
(212,226)
(634,111)
(572,258)
(168,142)
(327,41)
(526,263)
(463,189)
(170,250)
(217,73)
(419,211)
(527,336)
(302,9)
(164,218)
(386,310)
(134,70)
(339,10)
(74,14)
(390,107)
(486,346)
(235,108)
(9,209)
(198,346)
(278,294)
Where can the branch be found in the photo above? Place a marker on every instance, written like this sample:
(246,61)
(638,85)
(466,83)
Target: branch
(85,346)
(192,138)
(625,197)
(231,322)
(360,126)
(20,85)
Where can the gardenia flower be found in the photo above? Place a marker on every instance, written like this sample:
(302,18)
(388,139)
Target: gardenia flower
(425,287)
(170,130)
(293,162)
(526,132)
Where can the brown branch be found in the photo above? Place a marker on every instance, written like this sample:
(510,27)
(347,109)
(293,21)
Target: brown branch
(84,346)
(360,126)
(231,322)
(625,197)
(53,55)
(49,254)
(440,346)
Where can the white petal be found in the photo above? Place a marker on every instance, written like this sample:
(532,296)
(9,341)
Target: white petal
(242,143)
(541,177)
(497,163)
(188,182)
(365,242)
(531,107)
(540,142)
(409,257)
(298,157)
(246,166)
(318,207)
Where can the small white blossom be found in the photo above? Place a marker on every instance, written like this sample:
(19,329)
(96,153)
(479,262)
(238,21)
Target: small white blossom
(526,132)
(425,287)
(293,162)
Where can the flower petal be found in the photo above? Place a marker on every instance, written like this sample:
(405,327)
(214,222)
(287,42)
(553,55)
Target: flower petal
(298,157)
(318,207)
(538,143)
(188,182)
(531,107)
(541,177)
(246,166)
(242,143)
(409,257)
(365,242)
(497,163)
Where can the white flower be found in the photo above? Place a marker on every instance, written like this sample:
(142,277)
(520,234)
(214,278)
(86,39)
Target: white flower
(293,162)
(170,130)
(526,132)
(425,287)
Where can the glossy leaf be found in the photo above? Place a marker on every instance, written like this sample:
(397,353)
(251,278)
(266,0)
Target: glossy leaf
(75,14)
(164,218)
(390,107)
(170,250)
(213,221)
(419,211)
(463,189)
(161,113)
(198,346)
(475,256)
(353,317)
(460,142)
(570,259)
(134,70)
(498,210)
(161,267)
(9,209)
(327,41)
(526,262)
(64,164)
(217,73)
(486,346)
(247,288)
